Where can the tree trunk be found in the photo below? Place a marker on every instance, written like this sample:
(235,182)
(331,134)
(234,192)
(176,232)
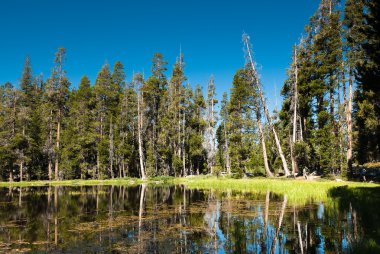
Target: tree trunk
(349,123)
(212,130)
(139,129)
(21,170)
(332,110)
(98,165)
(293,157)
(50,173)
(97,170)
(295,97)
(111,149)
(262,137)
(11,175)
(183,147)
(56,163)
(284,165)
(227,151)
(22,157)
(50,170)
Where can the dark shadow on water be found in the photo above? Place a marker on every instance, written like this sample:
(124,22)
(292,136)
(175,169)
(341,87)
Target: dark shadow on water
(364,204)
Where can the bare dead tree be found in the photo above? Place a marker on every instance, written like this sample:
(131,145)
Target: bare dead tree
(262,137)
(138,80)
(249,59)
(209,143)
(349,120)
(295,107)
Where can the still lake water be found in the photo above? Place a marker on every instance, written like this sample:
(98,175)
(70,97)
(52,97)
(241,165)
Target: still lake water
(174,219)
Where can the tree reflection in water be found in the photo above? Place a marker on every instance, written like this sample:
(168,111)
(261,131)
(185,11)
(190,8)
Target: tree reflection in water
(148,219)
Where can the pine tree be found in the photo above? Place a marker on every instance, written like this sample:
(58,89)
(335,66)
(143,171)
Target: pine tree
(103,98)
(367,97)
(8,144)
(78,137)
(174,115)
(117,84)
(26,102)
(58,92)
(354,38)
(36,157)
(153,91)
(327,50)
(313,116)
(127,149)
(241,125)
(196,127)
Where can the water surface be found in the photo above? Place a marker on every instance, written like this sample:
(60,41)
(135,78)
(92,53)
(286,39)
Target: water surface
(150,219)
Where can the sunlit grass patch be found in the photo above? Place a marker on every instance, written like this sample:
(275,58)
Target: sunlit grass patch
(297,191)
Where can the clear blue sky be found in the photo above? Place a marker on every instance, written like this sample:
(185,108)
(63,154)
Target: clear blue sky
(95,32)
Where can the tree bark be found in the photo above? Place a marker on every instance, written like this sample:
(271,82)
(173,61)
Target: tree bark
(139,130)
(262,137)
(111,149)
(227,151)
(349,123)
(21,170)
(50,144)
(56,163)
(295,102)
(183,147)
(22,157)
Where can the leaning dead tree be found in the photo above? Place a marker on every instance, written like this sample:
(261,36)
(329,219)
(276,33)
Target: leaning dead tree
(249,59)
(262,137)
(257,107)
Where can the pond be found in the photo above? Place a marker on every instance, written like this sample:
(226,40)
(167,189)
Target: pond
(174,219)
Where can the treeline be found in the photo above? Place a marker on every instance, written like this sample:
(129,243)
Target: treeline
(114,128)
(160,125)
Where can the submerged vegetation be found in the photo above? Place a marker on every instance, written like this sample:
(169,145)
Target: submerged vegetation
(159,125)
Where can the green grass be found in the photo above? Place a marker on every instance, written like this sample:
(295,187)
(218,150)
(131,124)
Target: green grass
(116,181)
(297,191)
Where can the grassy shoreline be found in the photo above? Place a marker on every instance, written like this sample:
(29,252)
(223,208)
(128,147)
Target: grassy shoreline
(297,191)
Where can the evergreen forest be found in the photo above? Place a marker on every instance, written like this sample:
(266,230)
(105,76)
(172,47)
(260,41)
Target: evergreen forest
(160,125)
